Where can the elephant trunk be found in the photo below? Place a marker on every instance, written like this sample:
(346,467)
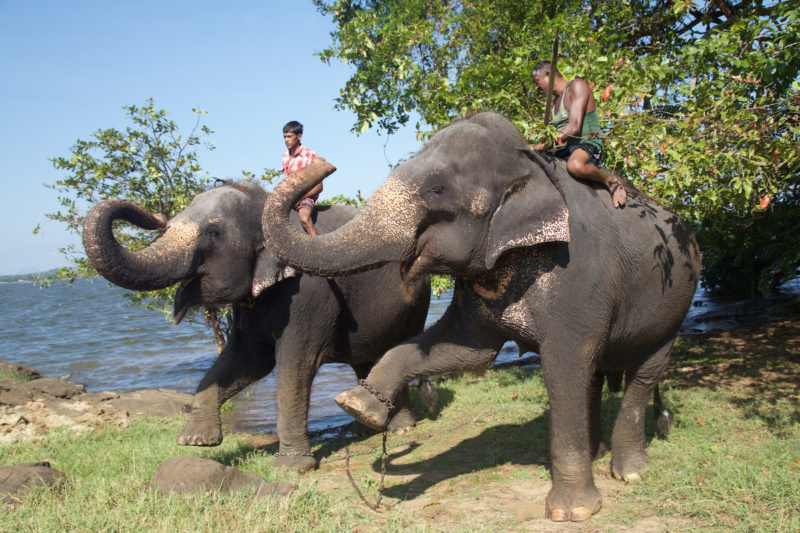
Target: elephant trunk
(164,262)
(384,230)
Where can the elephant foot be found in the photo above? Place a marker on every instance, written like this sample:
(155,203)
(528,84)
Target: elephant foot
(200,432)
(571,505)
(402,422)
(364,406)
(300,463)
(629,467)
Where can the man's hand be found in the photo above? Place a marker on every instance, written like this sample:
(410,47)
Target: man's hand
(541,147)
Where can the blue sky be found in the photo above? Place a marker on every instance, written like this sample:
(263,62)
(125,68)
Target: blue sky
(68,68)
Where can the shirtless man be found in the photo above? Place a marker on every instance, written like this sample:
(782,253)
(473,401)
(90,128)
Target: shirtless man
(578,142)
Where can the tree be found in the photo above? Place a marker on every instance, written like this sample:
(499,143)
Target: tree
(701,99)
(150,163)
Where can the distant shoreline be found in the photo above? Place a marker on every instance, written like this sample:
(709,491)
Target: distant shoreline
(47,275)
(33,277)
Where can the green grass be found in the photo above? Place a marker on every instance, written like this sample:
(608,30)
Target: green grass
(108,471)
(731,463)
(6,373)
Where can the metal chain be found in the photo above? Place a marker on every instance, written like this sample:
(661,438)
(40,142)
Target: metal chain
(377,504)
(384,455)
(309,453)
(372,390)
(413,441)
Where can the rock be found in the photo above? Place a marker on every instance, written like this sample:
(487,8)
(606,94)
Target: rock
(159,402)
(189,474)
(15,392)
(15,371)
(29,407)
(17,480)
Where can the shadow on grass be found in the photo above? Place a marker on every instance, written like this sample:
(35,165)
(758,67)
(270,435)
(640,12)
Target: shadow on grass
(526,444)
(758,368)
(521,444)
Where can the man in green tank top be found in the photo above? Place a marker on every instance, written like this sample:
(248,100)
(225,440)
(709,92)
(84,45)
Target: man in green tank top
(579,142)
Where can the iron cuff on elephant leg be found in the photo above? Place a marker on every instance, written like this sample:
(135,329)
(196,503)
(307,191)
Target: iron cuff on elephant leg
(372,390)
(294,454)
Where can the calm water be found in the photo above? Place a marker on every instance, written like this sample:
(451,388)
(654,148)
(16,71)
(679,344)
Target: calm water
(88,334)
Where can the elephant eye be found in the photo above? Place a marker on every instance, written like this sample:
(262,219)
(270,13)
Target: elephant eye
(212,233)
(437,189)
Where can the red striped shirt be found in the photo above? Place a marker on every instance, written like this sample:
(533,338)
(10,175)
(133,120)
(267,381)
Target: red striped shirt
(303,157)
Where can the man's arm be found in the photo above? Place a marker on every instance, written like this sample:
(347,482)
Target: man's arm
(577,102)
(314,193)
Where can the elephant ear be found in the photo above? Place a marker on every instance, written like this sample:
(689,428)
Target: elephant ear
(532,212)
(269,270)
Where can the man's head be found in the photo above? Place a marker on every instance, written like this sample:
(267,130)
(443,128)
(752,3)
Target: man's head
(292,135)
(541,74)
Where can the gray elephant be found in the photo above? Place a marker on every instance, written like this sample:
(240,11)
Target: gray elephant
(214,249)
(539,258)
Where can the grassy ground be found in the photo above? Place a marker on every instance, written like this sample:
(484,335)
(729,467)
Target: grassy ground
(731,463)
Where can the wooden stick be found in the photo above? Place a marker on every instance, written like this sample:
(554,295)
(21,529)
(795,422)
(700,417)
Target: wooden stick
(549,98)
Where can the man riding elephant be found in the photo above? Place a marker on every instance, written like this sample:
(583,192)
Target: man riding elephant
(578,142)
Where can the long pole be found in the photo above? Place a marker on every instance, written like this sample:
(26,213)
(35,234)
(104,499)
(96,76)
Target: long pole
(549,99)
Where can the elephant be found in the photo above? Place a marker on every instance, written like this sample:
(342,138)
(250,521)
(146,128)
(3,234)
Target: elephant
(539,258)
(282,319)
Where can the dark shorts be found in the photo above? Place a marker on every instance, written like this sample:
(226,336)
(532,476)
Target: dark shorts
(563,152)
(305,202)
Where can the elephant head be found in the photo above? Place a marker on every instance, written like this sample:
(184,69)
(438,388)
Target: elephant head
(472,193)
(213,248)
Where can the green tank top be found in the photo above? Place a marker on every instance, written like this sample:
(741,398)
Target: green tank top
(590,129)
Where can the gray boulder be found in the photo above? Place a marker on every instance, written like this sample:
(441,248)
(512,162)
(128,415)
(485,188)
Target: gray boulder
(17,480)
(194,474)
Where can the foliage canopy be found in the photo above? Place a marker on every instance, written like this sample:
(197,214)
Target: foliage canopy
(150,163)
(701,99)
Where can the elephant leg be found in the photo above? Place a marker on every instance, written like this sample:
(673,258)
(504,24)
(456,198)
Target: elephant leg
(628,457)
(402,419)
(236,368)
(458,341)
(573,392)
(297,366)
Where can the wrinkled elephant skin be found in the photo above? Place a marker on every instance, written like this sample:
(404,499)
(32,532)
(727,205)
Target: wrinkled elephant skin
(539,258)
(282,318)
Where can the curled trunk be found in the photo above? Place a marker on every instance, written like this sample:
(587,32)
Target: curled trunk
(161,264)
(382,232)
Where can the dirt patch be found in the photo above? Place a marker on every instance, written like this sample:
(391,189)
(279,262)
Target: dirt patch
(762,360)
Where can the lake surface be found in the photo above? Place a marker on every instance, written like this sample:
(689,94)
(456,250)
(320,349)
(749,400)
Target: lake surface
(87,333)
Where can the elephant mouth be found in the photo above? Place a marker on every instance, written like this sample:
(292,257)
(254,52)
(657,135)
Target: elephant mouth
(188,294)
(416,267)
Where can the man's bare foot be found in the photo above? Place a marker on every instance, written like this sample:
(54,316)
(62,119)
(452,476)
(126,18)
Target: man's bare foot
(617,191)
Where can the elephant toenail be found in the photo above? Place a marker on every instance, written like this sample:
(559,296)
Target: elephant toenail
(558,515)
(579,514)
